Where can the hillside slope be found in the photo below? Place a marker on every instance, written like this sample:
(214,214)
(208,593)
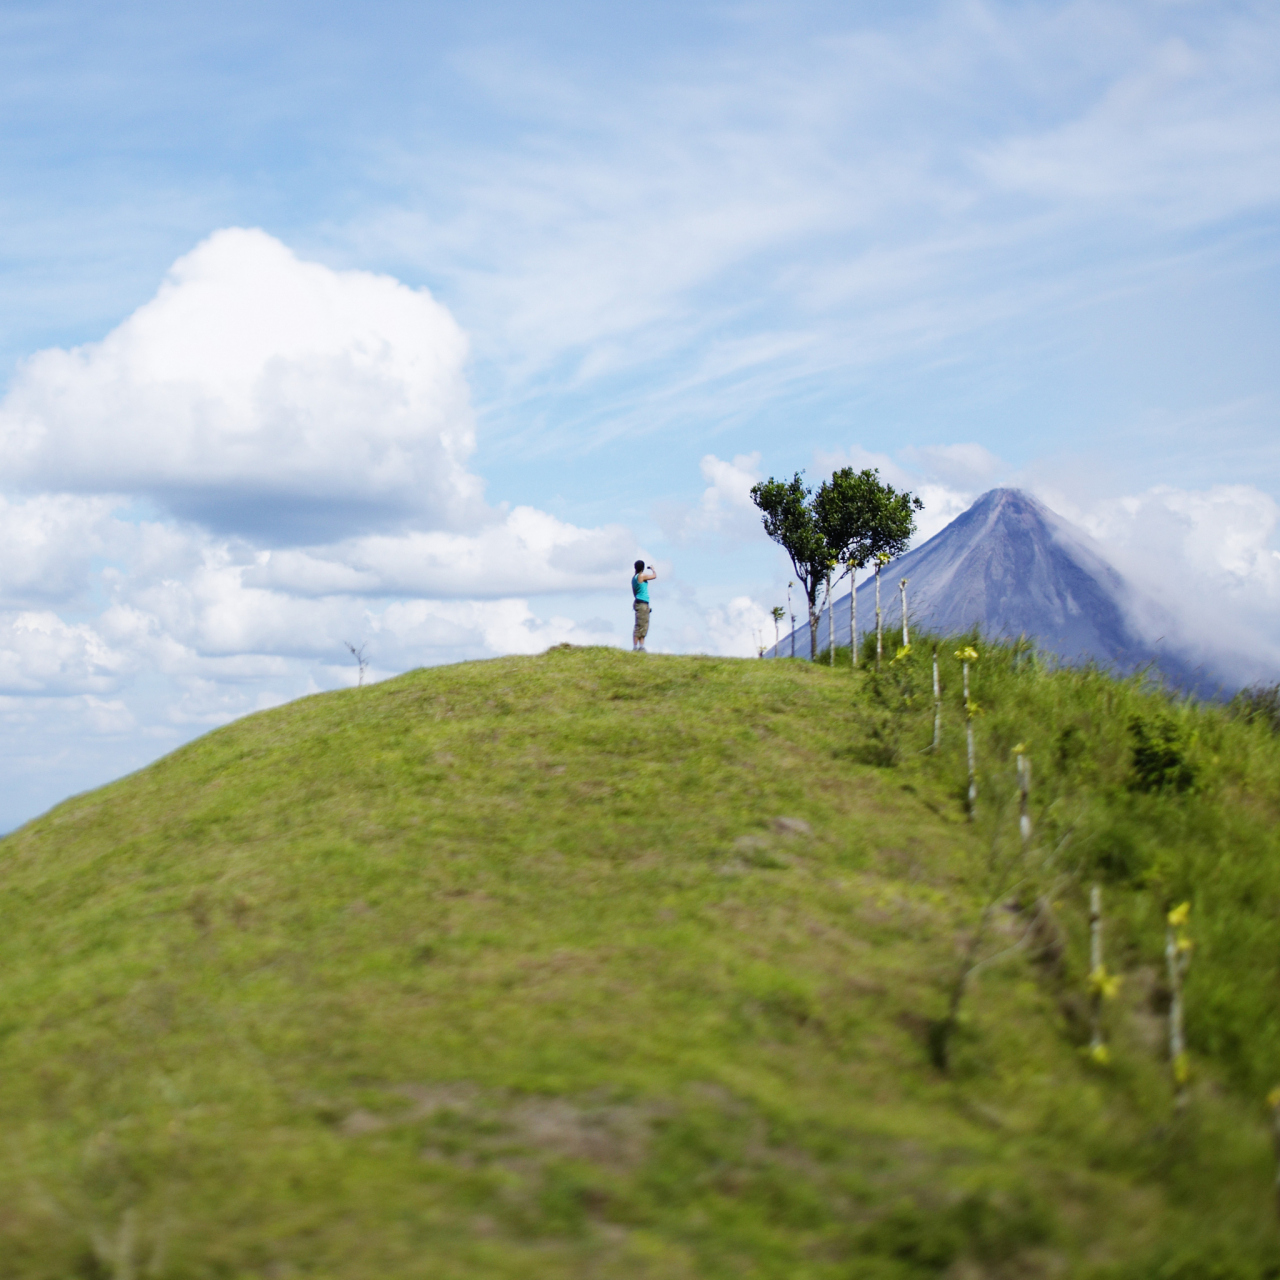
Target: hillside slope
(591,965)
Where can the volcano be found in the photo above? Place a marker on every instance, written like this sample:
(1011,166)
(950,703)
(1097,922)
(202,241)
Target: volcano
(1009,567)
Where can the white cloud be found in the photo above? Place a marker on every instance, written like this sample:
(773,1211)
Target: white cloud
(725,509)
(529,552)
(1207,577)
(967,466)
(108,716)
(803,203)
(1211,111)
(40,653)
(735,629)
(49,543)
(260,395)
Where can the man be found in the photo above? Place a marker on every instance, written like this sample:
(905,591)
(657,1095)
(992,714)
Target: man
(640,589)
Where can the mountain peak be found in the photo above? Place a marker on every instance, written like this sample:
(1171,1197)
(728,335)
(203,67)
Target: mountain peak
(1008,566)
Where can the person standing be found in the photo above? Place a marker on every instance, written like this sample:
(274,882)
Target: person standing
(644,575)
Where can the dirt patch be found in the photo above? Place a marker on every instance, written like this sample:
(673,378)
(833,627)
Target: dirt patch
(475,1124)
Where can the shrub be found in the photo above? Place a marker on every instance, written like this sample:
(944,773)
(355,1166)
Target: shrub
(1160,757)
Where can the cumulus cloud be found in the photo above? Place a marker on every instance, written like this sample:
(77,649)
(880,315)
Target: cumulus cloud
(528,552)
(725,509)
(260,395)
(40,653)
(1206,573)
(50,541)
(736,628)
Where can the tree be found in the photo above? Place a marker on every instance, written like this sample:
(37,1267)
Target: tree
(789,519)
(863,519)
(777,613)
(361,661)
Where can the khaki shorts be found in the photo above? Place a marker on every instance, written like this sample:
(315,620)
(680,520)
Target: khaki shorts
(642,622)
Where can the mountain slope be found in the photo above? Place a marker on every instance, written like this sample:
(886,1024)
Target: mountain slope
(593,965)
(1010,567)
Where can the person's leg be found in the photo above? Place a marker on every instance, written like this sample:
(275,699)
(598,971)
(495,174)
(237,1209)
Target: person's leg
(642,624)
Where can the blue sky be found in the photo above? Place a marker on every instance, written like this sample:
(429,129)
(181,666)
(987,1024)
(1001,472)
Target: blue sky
(972,243)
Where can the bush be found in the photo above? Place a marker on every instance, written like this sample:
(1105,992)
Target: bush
(1160,757)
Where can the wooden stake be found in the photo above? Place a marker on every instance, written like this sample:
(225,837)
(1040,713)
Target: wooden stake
(1096,971)
(968,734)
(879,631)
(1177,951)
(937,703)
(853,615)
(831,626)
(906,637)
(1273,1100)
(1024,800)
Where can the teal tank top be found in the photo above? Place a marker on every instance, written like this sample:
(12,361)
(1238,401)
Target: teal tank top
(640,589)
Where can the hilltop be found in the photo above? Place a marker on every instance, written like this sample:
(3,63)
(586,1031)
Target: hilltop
(596,965)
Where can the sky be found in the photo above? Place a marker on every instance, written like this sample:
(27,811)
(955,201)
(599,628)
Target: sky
(407,327)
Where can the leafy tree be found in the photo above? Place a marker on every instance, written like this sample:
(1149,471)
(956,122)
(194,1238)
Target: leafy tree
(853,518)
(790,520)
(862,519)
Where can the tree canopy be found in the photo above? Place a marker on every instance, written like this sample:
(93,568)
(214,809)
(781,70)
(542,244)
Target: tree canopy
(861,518)
(851,519)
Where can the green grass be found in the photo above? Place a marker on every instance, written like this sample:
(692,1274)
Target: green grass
(508,970)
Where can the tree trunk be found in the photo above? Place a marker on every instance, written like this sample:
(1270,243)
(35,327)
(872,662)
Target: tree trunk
(813,627)
(853,616)
(879,628)
(831,624)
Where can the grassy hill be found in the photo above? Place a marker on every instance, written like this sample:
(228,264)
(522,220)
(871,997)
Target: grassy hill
(596,965)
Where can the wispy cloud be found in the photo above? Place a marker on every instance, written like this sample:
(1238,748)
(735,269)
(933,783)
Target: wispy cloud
(797,212)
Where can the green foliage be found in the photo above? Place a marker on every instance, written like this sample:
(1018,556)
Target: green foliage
(989,1225)
(851,519)
(1160,756)
(511,969)
(1259,704)
(790,520)
(861,517)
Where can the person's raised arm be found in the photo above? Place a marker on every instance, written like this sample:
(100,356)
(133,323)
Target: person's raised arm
(649,574)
